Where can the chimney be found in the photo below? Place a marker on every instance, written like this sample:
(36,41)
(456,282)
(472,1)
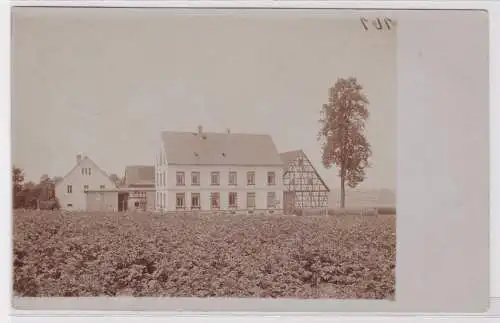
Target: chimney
(200,131)
(228,131)
(78,158)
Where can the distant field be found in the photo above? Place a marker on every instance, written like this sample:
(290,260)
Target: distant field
(117,254)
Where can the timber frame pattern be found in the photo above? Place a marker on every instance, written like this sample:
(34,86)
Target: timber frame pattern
(303,187)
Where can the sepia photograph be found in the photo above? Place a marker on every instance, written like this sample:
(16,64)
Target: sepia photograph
(204,153)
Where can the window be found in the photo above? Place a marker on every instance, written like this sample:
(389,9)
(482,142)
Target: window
(136,204)
(292,181)
(180,178)
(164,179)
(103,187)
(310,181)
(179,200)
(215,178)
(69,189)
(233,178)
(69,205)
(251,178)
(233,199)
(195,178)
(215,201)
(250,200)
(271,178)
(90,171)
(271,199)
(195,201)
(301,162)
(85,188)
(83,171)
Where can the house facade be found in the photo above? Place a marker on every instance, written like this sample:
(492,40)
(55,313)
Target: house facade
(303,186)
(218,172)
(139,188)
(85,177)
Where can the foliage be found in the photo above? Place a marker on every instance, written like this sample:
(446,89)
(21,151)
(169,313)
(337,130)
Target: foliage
(343,141)
(30,195)
(96,254)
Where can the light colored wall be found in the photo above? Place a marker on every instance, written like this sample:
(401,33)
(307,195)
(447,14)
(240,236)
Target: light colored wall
(75,178)
(261,188)
(102,201)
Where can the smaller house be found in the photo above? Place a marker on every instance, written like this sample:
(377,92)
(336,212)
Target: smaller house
(139,187)
(86,187)
(303,186)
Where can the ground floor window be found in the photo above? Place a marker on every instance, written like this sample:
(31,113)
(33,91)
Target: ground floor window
(195,201)
(233,199)
(215,201)
(250,200)
(180,199)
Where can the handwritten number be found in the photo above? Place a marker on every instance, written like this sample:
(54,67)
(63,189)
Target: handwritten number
(378,23)
(388,23)
(364,22)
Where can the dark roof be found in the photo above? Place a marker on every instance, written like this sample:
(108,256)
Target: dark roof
(191,148)
(139,175)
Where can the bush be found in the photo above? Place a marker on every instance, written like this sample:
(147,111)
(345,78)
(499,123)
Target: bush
(113,254)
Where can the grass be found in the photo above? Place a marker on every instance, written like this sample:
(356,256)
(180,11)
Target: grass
(115,254)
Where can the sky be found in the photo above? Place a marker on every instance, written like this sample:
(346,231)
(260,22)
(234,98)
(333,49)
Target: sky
(106,82)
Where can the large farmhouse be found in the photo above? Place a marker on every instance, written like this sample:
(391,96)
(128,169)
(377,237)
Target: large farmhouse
(218,171)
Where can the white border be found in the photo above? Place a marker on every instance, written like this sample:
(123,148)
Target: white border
(494,10)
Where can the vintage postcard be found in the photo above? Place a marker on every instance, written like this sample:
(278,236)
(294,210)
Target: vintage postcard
(205,154)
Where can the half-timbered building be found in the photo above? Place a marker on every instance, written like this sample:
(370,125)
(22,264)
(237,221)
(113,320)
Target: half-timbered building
(303,187)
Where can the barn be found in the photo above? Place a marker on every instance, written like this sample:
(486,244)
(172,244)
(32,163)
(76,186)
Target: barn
(303,187)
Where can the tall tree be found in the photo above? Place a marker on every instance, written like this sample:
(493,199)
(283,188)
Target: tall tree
(343,142)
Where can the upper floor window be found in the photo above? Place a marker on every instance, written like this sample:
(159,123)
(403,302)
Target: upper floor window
(86,171)
(85,188)
(180,179)
(251,178)
(271,178)
(103,187)
(233,178)
(301,162)
(69,189)
(310,181)
(250,200)
(215,178)
(195,178)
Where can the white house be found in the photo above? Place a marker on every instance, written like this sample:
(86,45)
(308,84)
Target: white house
(218,171)
(86,176)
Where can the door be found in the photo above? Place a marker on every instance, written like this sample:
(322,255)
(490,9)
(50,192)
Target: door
(289,202)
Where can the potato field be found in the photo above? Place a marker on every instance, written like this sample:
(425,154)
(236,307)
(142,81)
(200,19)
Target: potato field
(134,254)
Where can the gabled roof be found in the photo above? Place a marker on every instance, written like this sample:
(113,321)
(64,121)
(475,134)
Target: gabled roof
(292,155)
(139,175)
(84,158)
(234,149)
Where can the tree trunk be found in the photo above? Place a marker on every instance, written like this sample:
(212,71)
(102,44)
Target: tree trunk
(342,190)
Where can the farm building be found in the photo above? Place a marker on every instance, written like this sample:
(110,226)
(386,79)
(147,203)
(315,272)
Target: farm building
(218,171)
(86,184)
(139,191)
(303,186)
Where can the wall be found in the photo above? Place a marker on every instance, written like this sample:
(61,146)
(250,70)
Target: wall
(102,201)
(261,188)
(75,178)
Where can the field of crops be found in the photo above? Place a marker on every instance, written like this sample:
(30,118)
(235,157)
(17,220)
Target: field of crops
(99,254)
